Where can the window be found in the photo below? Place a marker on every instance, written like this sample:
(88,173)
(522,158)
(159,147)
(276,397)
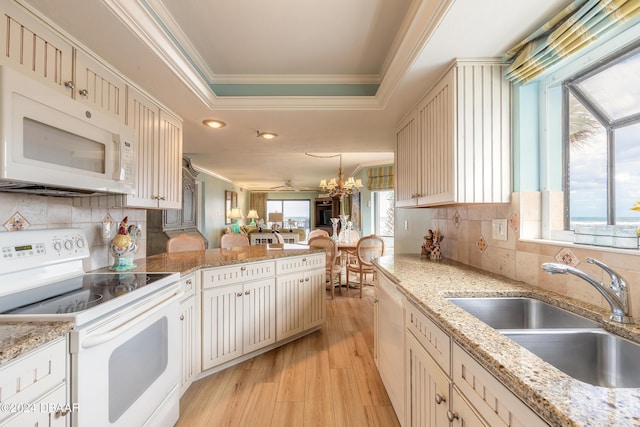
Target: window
(383,213)
(296,213)
(602,142)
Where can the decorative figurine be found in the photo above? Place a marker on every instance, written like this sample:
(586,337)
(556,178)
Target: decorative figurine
(428,242)
(124,246)
(435,252)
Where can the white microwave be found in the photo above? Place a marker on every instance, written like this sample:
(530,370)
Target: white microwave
(52,144)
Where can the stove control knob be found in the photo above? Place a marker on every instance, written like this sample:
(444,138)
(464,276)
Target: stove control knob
(57,246)
(68,244)
(80,243)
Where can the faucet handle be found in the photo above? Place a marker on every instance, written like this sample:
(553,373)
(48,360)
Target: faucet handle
(615,277)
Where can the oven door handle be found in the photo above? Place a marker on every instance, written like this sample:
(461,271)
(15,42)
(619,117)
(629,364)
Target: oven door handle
(93,341)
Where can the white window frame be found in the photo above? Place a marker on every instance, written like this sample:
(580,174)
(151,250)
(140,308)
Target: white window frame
(551,86)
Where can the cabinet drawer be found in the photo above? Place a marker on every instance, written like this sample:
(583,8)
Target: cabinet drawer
(188,284)
(221,276)
(433,339)
(491,399)
(300,263)
(46,412)
(34,374)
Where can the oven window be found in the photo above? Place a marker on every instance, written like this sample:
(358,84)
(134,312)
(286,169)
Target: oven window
(135,365)
(51,145)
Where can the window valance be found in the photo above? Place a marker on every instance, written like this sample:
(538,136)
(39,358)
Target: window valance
(575,27)
(380,178)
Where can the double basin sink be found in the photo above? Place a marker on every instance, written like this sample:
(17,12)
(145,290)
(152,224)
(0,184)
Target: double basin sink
(577,346)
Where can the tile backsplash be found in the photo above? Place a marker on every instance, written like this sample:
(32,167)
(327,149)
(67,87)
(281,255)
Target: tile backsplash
(467,231)
(20,211)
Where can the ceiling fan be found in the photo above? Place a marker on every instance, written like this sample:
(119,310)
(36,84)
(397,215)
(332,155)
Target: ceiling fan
(288,186)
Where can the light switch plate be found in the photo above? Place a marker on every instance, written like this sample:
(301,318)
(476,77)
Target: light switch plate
(499,229)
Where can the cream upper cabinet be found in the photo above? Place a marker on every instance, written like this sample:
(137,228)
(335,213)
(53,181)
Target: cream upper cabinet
(407,163)
(456,146)
(31,47)
(158,154)
(97,86)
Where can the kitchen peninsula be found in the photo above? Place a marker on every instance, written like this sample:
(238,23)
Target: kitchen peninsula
(555,397)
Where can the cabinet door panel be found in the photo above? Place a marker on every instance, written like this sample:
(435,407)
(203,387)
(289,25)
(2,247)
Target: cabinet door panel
(259,325)
(426,386)
(407,167)
(170,162)
(315,298)
(143,116)
(290,305)
(34,49)
(188,342)
(221,325)
(99,87)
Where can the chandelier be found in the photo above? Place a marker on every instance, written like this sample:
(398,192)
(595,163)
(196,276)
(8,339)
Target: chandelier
(340,188)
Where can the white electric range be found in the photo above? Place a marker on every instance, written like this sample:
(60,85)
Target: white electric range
(123,348)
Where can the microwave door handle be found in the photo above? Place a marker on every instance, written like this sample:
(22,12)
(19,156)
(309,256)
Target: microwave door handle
(96,340)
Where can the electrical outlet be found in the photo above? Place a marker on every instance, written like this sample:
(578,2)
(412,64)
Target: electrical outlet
(499,229)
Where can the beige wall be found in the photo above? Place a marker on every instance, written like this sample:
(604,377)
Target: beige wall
(521,260)
(54,212)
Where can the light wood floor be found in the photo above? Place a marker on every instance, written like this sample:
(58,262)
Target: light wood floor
(325,379)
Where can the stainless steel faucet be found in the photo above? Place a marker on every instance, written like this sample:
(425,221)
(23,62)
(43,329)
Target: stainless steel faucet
(616,294)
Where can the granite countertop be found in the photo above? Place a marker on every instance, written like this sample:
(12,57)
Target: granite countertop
(558,398)
(190,261)
(18,338)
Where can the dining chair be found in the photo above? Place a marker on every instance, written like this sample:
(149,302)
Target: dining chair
(184,242)
(332,262)
(367,249)
(317,232)
(233,240)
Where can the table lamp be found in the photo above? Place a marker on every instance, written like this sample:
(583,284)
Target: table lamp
(275,218)
(253,215)
(235,215)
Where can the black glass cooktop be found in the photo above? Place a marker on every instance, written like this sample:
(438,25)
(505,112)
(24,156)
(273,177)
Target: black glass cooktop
(76,294)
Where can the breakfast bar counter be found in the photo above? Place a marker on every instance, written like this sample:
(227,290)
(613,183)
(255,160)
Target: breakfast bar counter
(190,261)
(558,398)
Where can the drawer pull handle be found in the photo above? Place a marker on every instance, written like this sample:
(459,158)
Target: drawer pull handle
(70,84)
(83,92)
(440,398)
(452,416)
(182,317)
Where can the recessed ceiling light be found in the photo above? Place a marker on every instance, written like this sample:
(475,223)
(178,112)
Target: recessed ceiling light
(266,135)
(216,124)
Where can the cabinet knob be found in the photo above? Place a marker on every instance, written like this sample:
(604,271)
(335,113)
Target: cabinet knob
(304,260)
(69,84)
(452,416)
(83,92)
(243,268)
(239,294)
(60,413)
(301,280)
(182,317)
(306,279)
(440,398)
(189,282)
(247,292)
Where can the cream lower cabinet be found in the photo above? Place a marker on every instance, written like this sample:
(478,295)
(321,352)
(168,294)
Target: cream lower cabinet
(388,321)
(34,388)
(445,386)
(301,299)
(189,333)
(238,311)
